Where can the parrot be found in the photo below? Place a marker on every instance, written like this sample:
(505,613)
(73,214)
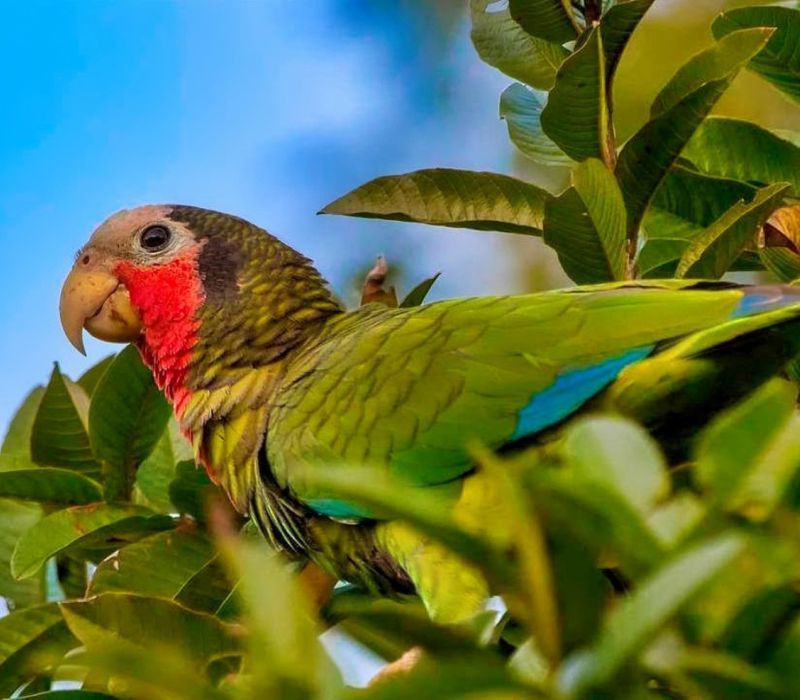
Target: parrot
(273,381)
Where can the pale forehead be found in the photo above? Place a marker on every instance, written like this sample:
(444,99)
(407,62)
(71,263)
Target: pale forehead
(122,224)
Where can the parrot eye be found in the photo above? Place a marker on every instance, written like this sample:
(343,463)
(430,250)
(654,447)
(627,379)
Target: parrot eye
(154,238)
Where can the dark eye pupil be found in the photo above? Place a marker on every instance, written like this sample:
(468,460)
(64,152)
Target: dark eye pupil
(155,238)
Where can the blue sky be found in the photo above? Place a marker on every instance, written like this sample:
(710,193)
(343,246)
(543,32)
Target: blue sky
(265,109)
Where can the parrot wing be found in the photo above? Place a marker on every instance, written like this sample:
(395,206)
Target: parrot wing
(407,390)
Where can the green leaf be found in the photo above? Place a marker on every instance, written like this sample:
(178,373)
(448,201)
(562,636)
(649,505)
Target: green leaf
(190,489)
(620,456)
(447,197)
(451,679)
(749,455)
(283,636)
(576,116)
(15,519)
(586,225)
(502,43)
(18,436)
(779,61)
(417,295)
(667,237)
(387,627)
(699,198)
(684,204)
(728,55)
(49,485)
(31,641)
(784,263)
(637,619)
(744,151)
(649,154)
(127,416)
(148,621)
(617,26)
(597,516)
(81,525)
(552,20)
(154,475)
(89,379)
(59,437)
(712,253)
(164,565)
(521,107)
(160,671)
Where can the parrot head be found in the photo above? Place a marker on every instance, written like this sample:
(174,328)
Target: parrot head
(199,292)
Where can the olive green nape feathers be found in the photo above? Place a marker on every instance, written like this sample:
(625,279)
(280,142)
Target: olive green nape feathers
(277,384)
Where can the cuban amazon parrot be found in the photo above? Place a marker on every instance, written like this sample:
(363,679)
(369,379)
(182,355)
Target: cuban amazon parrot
(273,381)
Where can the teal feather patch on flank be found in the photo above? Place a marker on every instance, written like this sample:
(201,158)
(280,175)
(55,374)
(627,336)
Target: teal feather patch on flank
(333,508)
(570,391)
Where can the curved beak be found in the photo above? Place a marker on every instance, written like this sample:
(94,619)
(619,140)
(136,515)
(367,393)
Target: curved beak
(93,298)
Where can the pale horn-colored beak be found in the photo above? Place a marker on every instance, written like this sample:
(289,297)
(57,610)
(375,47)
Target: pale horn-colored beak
(93,298)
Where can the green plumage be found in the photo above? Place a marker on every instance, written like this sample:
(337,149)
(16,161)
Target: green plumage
(405,391)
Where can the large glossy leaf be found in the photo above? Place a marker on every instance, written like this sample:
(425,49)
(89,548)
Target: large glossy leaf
(287,654)
(155,474)
(447,197)
(667,236)
(81,525)
(453,679)
(30,641)
(744,151)
(616,27)
(677,113)
(576,116)
(190,489)
(160,671)
(521,107)
(15,519)
(149,621)
(715,63)
(17,440)
(683,206)
(553,20)
(59,437)
(747,456)
(620,456)
(779,61)
(648,156)
(89,379)
(165,565)
(597,516)
(712,253)
(698,197)
(128,414)
(502,43)
(49,485)
(586,225)
(637,619)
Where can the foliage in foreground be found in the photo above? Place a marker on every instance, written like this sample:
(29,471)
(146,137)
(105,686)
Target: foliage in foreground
(626,576)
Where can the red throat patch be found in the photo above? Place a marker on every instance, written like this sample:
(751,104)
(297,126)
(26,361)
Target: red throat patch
(168,298)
